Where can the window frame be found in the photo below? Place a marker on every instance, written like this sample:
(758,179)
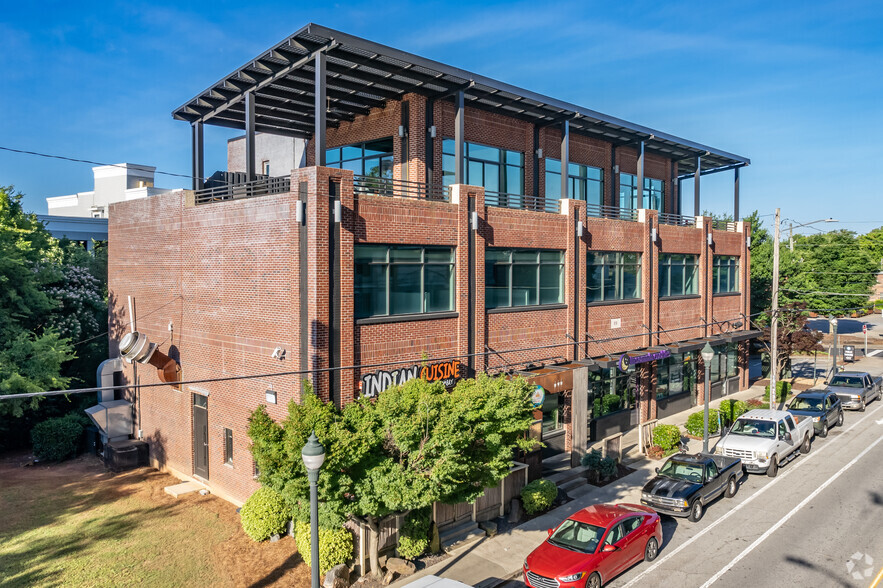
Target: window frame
(575,180)
(512,263)
(653,188)
(666,265)
(228,446)
(503,163)
(725,267)
(619,264)
(380,157)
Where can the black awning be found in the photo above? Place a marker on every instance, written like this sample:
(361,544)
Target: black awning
(742,335)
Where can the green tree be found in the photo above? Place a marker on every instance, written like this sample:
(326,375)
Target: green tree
(414,445)
(872,244)
(761,265)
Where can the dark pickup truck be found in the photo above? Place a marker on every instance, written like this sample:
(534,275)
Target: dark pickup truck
(686,483)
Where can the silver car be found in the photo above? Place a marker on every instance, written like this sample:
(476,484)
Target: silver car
(855,389)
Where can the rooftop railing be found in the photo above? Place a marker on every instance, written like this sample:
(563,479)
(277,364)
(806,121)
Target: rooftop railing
(614,212)
(521,202)
(677,220)
(723,225)
(400,188)
(236,191)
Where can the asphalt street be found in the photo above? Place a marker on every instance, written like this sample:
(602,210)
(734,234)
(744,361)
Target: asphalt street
(819,523)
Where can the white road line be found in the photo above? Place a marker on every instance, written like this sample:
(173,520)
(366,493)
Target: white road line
(791,513)
(875,352)
(653,567)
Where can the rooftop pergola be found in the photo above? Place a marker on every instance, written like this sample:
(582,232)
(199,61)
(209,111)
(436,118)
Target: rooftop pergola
(319,77)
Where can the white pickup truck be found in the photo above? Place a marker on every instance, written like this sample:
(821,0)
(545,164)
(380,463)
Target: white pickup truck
(766,439)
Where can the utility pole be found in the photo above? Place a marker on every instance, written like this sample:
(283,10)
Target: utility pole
(774,327)
(791,237)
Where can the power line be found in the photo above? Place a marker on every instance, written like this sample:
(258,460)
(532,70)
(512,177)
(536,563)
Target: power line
(76,160)
(825,293)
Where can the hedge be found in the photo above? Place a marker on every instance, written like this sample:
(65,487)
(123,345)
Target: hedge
(335,545)
(57,438)
(414,534)
(695,423)
(264,514)
(538,496)
(732,409)
(605,466)
(666,436)
(782,391)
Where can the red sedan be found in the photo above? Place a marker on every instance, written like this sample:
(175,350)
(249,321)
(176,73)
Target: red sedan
(593,546)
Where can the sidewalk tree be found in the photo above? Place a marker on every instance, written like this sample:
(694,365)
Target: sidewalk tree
(413,445)
(794,337)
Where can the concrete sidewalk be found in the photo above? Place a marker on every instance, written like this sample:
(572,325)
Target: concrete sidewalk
(491,561)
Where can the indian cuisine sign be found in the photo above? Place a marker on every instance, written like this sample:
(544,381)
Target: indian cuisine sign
(447,372)
(626,361)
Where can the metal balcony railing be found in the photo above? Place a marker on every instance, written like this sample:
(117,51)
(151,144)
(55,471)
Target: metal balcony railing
(723,225)
(236,191)
(614,212)
(677,220)
(521,202)
(369,185)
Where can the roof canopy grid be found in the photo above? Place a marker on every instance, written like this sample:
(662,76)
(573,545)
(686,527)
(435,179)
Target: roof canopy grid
(361,75)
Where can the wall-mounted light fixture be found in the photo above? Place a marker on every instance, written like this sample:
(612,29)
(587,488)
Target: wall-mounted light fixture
(474,220)
(710,240)
(432,131)
(401,130)
(337,211)
(579,229)
(653,235)
(278,353)
(748,241)
(540,153)
(616,169)
(299,211)
(271,396)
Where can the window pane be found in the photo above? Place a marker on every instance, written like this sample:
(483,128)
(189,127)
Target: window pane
(332,155)
(676,375)
(404,289)
(594,284)
(594,173)
(447,170)
(514,158)
(496,285)
(610,282)
(524,285)
(475,173)
(438,283)
(448,147)
(677,280)
(498,255)
(690,282)
(491,176)
(551,277)
(370,290)
(351,152)
(440,255)
(553,165)
(715,278)
(631,281)
(484,152)
(513,180)
(552,256)
(366,253)
(528,256)
(354,165)
(378,147)
(412,254)
(372,167)
(553,186)
(386,167)
(664,280)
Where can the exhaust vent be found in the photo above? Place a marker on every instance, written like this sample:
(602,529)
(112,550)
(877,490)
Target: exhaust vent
(136,346)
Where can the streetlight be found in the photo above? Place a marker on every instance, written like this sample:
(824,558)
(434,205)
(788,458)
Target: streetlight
(313,455)
(792,226)
(833,322)
(707,355)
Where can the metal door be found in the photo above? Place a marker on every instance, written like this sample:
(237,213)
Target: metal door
(200,436)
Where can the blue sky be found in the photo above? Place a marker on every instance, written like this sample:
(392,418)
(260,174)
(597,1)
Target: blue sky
(796,87)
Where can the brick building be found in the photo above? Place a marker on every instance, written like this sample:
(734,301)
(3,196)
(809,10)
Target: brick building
(431,234)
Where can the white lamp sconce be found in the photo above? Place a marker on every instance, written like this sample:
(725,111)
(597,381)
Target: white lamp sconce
(474,220)
(401,130)
(579,229)
(299,212)
(748,241)
(653,235)
(616,169)
(337,211)
(710,240)
(432,131)
(271,396)
(278,353)
(540,153)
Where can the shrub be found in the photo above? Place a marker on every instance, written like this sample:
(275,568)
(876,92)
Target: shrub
(666,436)
(592,460)
(57,438)
(611,403)
(695,423)
(754,403)
(264,514)
(335,545)
(538,496)
(414,534)
(732,409)
(608,468)
(604,466)
(782,391)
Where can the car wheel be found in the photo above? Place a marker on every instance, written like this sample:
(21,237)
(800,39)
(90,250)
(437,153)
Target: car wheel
(594,581)
(696,511)
(652,550)
(732,487)
(774,467)
(824,432)
(840,419)
(861,408)
(806,446)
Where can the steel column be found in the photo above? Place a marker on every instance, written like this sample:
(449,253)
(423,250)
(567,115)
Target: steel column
(430,141)
(696,210)
(320,109)
(459,140)
(640,181)
(536,162)
(736,195)
(565,158)
(249,136)
(198,153)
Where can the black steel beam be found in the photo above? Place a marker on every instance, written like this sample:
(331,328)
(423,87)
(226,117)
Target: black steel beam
(640,180)
(264,115)
(736,195)
(198,154)
(459,140)
(696,174)
(565,159)
(230,123)
(303,86)
(249,137)
(319,120)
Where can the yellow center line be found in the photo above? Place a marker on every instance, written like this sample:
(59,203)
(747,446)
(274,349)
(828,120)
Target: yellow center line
(877,579)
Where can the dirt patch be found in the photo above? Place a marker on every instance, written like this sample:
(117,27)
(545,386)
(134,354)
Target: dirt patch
(76,524)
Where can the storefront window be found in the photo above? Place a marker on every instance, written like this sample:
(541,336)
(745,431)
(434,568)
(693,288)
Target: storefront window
(732,361)
(391,280)
(613,276)
(609,392)
(725,274)
(551,414)
(523,277)
(677,274)
(675,375)
(373,158)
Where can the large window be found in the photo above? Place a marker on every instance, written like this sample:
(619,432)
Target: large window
(584,182)
(228,446)
(523,277)
(677,274)
(725,362)
(497,170)
(403,279)
(676,375)
(552,420)
(725,274)
(609,392)
(373,158)
(653,197)
(613,276)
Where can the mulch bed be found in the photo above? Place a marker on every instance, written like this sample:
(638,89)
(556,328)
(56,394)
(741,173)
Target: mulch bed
(621,471)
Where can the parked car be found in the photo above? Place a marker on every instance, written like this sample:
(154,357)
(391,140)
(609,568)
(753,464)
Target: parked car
(822,406)
(593,546)
(765,439)
(856,389)
(685,484)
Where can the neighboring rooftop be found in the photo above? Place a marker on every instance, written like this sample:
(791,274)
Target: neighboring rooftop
(362,75)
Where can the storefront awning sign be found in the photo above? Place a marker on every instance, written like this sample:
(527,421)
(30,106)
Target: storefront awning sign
(537,396)
(626,360)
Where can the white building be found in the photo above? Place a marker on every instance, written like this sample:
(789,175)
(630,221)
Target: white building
(113,183)
(275,155)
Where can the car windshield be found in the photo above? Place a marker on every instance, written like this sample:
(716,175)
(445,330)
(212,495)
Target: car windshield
(754,428)
(806,404)
(846,382)
(691,472)
(577,536)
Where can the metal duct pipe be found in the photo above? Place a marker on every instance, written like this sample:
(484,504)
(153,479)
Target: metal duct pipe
(106,370)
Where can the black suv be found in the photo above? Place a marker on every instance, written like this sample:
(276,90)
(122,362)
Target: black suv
(822,406)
